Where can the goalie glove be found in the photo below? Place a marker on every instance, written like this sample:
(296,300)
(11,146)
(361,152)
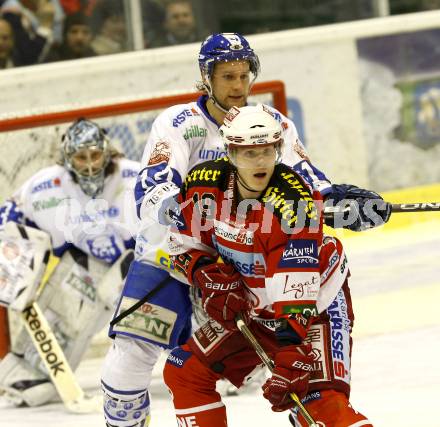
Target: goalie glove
(367,208)
(224,294)
(290,375)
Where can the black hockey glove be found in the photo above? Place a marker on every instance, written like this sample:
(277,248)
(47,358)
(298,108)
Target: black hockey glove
(367,208)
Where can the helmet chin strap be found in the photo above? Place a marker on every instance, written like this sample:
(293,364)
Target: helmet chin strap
(213,99)
(217,104)
(246,186)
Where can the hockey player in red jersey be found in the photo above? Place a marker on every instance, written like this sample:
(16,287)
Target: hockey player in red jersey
(279,270)
(181,137)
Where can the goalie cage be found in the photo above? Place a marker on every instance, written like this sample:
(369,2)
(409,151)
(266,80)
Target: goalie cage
(30,143)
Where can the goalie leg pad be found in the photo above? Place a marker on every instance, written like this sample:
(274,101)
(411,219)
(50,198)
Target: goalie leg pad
(72,306)
(24,384)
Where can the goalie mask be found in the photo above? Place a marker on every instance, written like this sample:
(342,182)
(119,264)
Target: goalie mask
(225,47)
(252,133)
(86,154)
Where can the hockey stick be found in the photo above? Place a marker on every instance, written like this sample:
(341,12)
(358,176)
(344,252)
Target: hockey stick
(56,363)
(51,353)
(416,207)
(141,302)
(329,211)
(241,325)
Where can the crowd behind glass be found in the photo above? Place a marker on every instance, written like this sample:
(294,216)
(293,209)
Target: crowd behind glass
(41,31)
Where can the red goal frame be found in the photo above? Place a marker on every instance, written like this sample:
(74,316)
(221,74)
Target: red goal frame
(275,87)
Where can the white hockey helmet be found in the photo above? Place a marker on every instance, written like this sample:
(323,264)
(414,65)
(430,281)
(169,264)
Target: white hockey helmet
(251,126)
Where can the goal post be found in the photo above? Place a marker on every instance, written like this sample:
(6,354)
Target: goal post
(4,332)
(31,142)
(273,88)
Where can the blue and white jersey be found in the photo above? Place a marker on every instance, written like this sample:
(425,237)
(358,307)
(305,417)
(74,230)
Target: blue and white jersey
(52,201)
(181,137)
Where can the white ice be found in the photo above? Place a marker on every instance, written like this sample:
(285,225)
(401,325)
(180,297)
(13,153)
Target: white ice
(395,287)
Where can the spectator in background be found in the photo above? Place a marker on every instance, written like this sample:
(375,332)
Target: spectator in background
(44,17)
(6,44)
(112,35)
(30,47)
(153,16)
(76,42)
(179,26)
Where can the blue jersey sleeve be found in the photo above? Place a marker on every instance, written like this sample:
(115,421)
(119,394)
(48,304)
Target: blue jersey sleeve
(10,211)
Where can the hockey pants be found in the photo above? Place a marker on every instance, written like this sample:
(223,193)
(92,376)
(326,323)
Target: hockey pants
(197,402)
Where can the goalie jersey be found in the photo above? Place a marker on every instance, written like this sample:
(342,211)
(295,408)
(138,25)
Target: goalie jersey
(102,227)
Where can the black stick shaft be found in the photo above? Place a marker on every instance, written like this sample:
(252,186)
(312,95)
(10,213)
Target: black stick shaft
(329,211)
(416,207)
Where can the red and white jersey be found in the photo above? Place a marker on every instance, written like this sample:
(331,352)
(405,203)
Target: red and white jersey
(274,242)
(52,201)
(183,136)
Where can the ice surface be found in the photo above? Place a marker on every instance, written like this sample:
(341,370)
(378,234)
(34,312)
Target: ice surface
(395,286)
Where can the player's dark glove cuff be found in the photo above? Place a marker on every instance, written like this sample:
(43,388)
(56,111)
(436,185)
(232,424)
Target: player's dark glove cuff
(366,210)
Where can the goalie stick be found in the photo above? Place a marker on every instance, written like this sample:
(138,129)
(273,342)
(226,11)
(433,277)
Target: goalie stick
(52,355)
(56,363)
(241,325)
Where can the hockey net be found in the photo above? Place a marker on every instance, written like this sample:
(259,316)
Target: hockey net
(31,142)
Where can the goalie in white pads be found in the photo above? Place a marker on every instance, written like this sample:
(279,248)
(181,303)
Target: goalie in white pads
(85,204)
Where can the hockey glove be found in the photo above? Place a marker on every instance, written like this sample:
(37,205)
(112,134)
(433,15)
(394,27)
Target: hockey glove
(223,293)
(290,375)
(367,208)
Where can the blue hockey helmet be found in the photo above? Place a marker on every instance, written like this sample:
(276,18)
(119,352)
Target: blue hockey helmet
(86,154)
(226,47)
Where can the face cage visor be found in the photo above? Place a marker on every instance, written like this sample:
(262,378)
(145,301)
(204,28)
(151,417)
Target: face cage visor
(88,161)
(88,165)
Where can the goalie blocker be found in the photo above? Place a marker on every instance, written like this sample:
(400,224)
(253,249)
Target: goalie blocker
(24,255)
